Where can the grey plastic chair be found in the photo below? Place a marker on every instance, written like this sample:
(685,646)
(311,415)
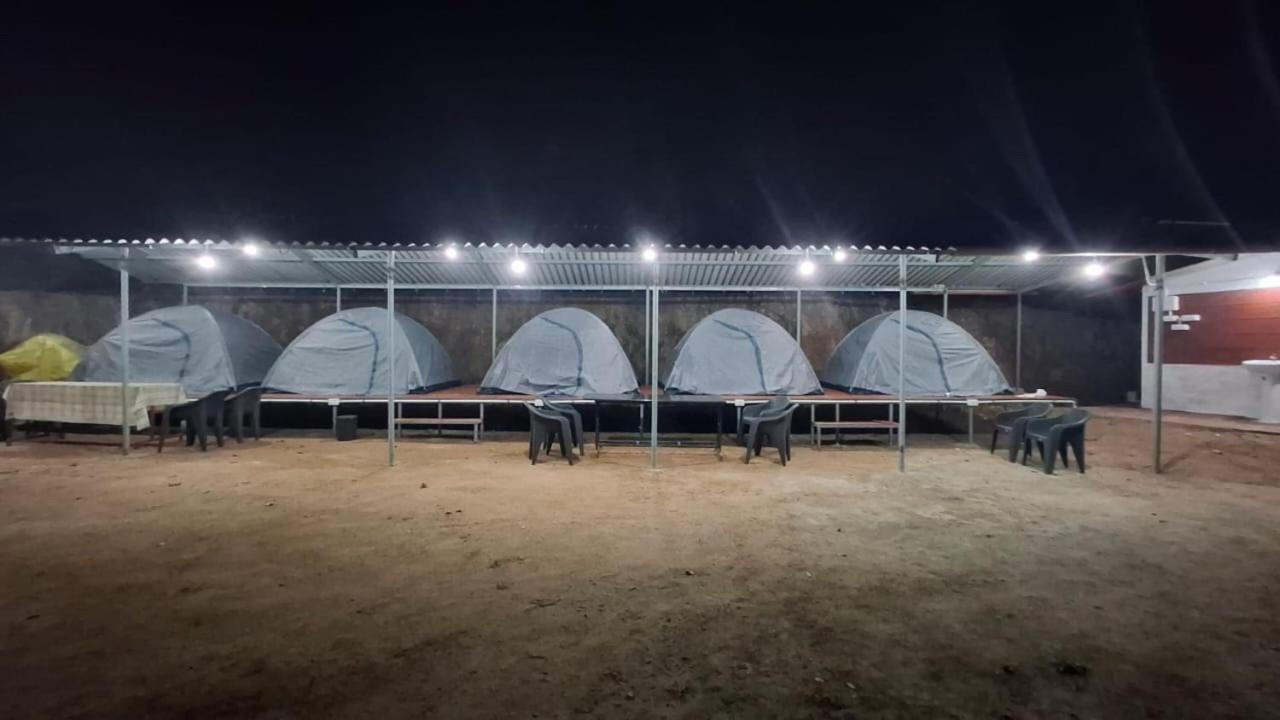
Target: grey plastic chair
(1013,423)
(775,404)
(773,427)
(199,415)
(575,418)
(1052,436)
(546,426)
(242,405)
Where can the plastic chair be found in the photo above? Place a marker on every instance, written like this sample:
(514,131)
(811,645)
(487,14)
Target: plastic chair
(546,426)
(575,418)
(245,403)
(1052,436)
(774,427)
(199,415)
(1013,423)
(775,404)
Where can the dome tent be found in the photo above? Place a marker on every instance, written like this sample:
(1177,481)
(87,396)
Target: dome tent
(346,354)
(566,351)
(941,358)
(739,352)
(41,357)
(204,350)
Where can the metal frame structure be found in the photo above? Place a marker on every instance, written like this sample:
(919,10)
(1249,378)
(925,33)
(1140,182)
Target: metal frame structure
(617,268)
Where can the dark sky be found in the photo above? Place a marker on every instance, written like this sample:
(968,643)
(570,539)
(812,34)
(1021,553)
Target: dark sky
(1066,125)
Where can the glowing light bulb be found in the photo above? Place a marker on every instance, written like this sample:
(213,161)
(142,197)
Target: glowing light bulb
(1095,270)
(206,262)
(250,249)
(806,267)
(1030,255)
(518,266)
(839,255)
(649,254)
(451,252)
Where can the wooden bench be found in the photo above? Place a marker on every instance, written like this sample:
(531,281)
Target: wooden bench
(442,422)
(818,426)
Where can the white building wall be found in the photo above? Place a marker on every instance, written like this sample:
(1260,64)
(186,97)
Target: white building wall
(1216,389)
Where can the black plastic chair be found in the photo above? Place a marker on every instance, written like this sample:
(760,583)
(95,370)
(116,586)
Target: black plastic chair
(575,419)
(1014,423)
(245,404)
(775,404)
(199,416)
(1052,436)
(773,427)
(546,426)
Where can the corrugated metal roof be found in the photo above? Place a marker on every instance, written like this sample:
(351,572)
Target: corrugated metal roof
(554,266)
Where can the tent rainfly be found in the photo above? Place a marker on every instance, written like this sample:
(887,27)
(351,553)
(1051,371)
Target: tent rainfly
(203,350)
(346,354)
(941,359)
(566,351)
(740,352)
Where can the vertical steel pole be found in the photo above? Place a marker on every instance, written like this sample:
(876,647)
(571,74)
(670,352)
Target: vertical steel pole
(797,316)
(1157,406)
(902,362)
(184,293)
(124,351)
(945,295)
(1017,349)
(391,358)
(648,336)
(493,326)
(338,299)
(653,381)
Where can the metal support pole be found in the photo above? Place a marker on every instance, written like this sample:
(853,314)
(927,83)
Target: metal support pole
(902,361)
(493,326)
(1017,349)
(1157,406)
(797,316)
(945,296)
(124,351)
(184,294)
(648,337)
(391,358)
(653,383)
(338,298)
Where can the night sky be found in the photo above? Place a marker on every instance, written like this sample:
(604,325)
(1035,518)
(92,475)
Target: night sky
(1065,125)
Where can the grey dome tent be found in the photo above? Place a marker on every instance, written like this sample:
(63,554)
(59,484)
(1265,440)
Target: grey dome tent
(346,354)
(566,351)
(941,358)
(739,352)
(204,350)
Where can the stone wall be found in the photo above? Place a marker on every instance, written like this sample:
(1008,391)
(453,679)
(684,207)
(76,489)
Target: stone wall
(1090,352)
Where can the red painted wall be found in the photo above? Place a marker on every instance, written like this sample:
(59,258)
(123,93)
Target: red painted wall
(1234,326)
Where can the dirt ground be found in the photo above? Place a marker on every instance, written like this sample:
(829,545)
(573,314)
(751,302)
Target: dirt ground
(300,578)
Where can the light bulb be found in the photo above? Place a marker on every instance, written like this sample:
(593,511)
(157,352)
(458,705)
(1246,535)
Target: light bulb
(206,262)
(806,267)
(650,254)
(518,266)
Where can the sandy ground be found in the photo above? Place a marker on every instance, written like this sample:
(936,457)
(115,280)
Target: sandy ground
(297,577)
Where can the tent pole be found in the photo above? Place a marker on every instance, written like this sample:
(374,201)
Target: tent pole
(944,302)
(1157,407)
(184,293)
(493,326)
(338,299)
(391,358)
(653,383)
(124,350)
(1017,349)
(902,363)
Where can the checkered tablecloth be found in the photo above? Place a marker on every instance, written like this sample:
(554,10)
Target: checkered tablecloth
(94,403)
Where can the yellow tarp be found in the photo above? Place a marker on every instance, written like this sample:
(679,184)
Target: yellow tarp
(43,357)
